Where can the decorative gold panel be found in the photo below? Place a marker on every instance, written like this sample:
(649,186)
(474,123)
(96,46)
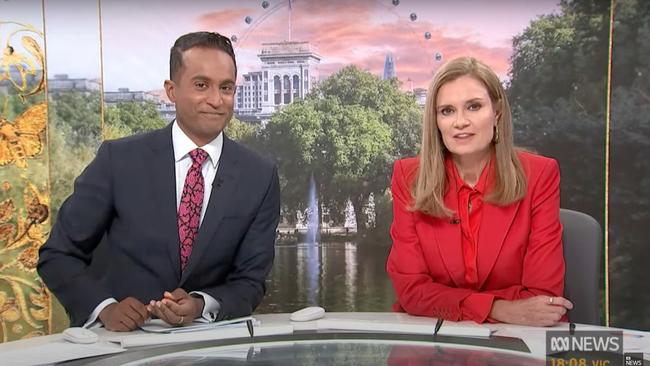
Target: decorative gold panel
(25,303)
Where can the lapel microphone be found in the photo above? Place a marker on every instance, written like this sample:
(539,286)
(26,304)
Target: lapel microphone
(217,182)
(454,220)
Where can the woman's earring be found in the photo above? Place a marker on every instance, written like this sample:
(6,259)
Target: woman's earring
(495,138)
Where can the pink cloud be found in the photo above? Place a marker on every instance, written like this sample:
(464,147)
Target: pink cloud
(223,19)
(360,33)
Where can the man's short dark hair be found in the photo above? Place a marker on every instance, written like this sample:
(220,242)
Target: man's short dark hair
(198,39)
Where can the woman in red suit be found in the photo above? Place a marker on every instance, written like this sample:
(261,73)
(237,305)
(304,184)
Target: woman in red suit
(476,229)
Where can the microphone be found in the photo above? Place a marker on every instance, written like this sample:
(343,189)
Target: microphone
(454,220)
(217,182)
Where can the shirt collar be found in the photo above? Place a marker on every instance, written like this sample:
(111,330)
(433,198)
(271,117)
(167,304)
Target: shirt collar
(481,185)
(183,145)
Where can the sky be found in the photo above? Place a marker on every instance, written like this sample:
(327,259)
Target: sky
(136,35)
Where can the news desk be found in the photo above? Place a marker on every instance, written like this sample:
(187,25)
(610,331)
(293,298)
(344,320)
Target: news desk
(337,339)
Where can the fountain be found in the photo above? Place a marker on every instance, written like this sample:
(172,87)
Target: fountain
(312,236)
(311,246)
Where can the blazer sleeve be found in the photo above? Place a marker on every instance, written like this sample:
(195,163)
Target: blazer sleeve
(244,287)
(417,292)
(543,268)
(82,220)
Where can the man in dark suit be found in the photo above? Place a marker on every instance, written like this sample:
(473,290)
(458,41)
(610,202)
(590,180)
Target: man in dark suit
(188,217)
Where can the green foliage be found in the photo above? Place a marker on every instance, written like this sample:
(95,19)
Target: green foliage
(346,134)
(79,112)
(631,45)
(291,138)
(128,118)
(243,132)
(558,91)
(396,109)
(629,208)
(558,94)
(563,56)
(74,132)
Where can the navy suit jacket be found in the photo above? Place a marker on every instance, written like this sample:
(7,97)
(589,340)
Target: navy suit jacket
(126,199)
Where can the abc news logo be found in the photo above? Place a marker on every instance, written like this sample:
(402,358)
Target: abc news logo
(633,359)
(584,341)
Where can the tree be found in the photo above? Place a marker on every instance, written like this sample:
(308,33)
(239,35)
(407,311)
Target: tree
(359,150)
(74,132)
(629,208)
(396,110)
(346,133)
(291,138)
(558,88)
(563,56)
(244,132)
(558,91)
(128,118)
(79,112)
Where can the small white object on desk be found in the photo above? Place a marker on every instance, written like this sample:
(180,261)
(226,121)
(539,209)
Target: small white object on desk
(307,314)
(80,335)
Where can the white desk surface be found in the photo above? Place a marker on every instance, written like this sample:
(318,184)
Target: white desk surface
(534,337)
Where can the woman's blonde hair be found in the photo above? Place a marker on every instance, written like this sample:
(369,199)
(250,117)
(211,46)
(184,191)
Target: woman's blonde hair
(431,181)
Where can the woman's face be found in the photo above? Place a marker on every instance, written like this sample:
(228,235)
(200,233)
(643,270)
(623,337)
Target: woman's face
(466,117)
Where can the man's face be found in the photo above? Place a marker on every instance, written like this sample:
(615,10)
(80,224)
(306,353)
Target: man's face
(204,93)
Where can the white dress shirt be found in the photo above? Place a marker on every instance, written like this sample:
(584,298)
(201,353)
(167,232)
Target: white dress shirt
(182,145)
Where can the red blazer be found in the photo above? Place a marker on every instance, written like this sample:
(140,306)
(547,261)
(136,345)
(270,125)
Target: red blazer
(519,248)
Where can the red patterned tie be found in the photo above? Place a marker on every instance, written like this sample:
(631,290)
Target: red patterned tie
(189,211)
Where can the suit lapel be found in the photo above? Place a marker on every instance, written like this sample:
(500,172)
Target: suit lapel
(495,225)
(448,237)
(163,181)
(223,189)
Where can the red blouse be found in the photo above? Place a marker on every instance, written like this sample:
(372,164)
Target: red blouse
(470,212)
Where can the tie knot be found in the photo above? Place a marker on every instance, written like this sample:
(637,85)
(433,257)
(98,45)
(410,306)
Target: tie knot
(198,156)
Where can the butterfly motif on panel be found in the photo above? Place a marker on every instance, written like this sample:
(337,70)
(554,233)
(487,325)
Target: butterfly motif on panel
(22,139)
